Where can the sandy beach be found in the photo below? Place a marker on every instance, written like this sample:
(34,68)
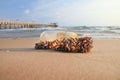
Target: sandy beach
(20,61)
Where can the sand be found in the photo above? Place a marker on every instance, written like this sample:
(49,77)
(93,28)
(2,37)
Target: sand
(20,61)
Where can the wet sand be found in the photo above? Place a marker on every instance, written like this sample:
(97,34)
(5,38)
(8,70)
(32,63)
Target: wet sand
(20,61)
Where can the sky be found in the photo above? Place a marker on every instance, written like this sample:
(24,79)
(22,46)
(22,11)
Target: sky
(63,12)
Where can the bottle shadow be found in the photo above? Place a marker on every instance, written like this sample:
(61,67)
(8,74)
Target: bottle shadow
(33,50)
(28,50)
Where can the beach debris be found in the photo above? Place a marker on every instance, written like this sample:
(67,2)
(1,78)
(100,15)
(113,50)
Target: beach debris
(64,41)
(81,45)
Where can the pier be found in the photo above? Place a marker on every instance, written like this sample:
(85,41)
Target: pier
(14,25)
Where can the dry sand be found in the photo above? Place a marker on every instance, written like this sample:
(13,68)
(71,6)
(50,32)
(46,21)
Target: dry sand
(19,61)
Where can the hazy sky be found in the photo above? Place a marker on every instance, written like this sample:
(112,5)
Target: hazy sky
(64,12)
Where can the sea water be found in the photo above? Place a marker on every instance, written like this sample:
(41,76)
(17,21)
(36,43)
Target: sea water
(96,32)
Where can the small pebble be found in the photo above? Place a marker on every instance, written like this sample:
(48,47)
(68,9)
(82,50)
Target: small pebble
(7,50)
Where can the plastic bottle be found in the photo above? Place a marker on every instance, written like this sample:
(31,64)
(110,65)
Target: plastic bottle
(56,35)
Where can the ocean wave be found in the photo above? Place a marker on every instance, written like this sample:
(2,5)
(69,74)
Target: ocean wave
(97,32)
